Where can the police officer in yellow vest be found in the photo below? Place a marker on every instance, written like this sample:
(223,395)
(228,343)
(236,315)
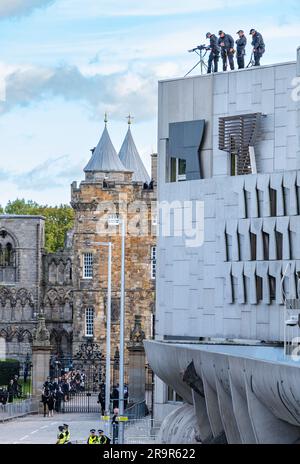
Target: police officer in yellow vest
(67,435)
(103,439)
(61,436)
(93,438)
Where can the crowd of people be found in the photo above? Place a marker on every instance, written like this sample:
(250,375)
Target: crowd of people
(61,389)
(226,47)
(13,390)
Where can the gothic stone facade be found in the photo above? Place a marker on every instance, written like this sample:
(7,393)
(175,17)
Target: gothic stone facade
(32,281)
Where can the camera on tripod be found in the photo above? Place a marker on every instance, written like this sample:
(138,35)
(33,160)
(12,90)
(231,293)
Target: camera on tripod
(200,47)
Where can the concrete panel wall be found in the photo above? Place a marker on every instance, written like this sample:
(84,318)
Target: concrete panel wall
(211,290)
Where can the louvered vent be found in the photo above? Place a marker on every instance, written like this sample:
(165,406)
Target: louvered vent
(236,135)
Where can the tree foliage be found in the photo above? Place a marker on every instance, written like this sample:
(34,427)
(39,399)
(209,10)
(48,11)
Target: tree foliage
(59,220)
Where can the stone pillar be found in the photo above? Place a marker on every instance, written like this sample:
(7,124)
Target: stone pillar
(136,370)
(41,350)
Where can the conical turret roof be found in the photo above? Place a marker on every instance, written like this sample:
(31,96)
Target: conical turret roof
(131,159)
(105,157)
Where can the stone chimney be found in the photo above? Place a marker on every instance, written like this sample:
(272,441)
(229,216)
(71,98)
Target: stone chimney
(154,167)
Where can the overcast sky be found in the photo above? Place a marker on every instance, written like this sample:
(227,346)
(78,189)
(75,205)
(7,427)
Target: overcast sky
(66,62)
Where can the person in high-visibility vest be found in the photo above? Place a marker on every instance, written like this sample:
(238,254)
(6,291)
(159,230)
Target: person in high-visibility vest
(67,435)
(103,439)
(61,436)
(93,438)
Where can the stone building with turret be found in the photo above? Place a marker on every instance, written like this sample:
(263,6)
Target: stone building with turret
(70,286)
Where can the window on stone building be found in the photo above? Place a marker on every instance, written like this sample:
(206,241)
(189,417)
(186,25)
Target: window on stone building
(89,322)
(88,265)
(173,397)
(153,262)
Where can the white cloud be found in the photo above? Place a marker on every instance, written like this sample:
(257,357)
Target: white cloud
(15,8)
(51,174)
(134,90)
(94,8)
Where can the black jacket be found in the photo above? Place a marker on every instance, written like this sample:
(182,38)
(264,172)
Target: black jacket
(214,47)
(228,42)
(241,45)
(258,42)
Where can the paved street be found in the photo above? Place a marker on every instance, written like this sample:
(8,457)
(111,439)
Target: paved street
(39,430)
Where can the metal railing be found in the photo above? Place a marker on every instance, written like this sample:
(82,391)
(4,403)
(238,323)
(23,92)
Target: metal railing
(137,410)
(18,409)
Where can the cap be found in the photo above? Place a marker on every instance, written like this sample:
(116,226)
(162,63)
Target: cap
(208,34)
(221,32)
(65,425)
(60,427)
(252,30)
(241,30)
(92,430)
(100,431)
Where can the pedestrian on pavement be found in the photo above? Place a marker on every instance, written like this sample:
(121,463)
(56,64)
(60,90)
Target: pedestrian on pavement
(45,398)
(93,438)
(58,399)
(101,401)
(103,439)
(115,425)
(51,404)
(10,391)
(60,436)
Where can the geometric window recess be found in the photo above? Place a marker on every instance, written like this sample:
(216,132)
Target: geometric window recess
(237,136)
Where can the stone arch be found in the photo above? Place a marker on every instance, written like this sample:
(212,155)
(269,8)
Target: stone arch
(61,272)
(55,342)
(8,256)
(52,270)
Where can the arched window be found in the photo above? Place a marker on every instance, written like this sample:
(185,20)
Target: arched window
(8,258)
(9,255)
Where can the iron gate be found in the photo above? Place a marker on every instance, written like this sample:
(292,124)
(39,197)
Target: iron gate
(80,380)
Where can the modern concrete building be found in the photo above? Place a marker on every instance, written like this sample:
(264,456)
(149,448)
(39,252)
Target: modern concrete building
(229,160)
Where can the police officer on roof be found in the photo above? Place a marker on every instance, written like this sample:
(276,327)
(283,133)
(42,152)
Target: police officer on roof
(226,43)
(241,49)
(258,45)
(214,53)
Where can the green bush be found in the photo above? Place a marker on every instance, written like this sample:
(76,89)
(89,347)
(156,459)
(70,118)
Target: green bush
(8,368)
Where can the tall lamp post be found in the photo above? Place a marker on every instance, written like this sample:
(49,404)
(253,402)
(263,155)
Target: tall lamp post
(119,221)
(108,326)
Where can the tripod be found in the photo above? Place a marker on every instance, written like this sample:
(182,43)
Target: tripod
(201,62)
(251,62)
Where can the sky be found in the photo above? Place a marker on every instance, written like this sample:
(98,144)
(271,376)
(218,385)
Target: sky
(63,63)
